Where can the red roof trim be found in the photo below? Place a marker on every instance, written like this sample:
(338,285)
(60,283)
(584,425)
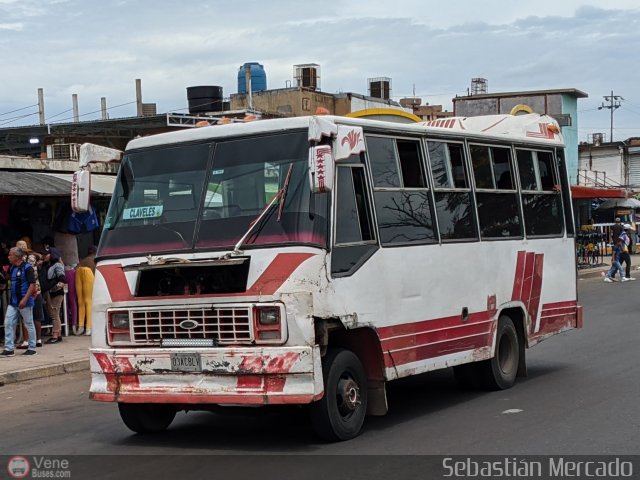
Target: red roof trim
(584,191)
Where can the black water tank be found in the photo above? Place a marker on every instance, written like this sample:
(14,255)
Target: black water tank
(203,99)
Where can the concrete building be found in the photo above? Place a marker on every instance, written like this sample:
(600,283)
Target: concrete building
(610,164)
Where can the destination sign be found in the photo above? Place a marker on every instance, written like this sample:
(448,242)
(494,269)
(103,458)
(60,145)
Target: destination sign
(137,213)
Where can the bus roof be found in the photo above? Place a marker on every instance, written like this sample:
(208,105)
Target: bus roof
(531,127)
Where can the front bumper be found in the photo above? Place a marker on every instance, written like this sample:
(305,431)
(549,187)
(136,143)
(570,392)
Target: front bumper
(229,376)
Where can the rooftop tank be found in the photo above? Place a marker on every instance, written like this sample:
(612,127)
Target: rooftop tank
(258,77)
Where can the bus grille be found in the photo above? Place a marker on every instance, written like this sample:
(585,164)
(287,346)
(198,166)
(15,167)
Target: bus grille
(224,325)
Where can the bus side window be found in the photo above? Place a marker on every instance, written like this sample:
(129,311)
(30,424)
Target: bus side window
(496,195)
(354,234)
(454,202)
(401,196)
(541,202)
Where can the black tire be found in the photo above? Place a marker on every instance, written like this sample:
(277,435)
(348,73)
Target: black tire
(146,417)
(499,372)
(340,413)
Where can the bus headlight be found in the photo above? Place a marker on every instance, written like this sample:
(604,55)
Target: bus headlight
(269,316)
(268,325)
(120,320)
(118,328)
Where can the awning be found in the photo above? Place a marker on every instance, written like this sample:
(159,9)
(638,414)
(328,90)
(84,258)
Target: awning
(585,191)
(46,184)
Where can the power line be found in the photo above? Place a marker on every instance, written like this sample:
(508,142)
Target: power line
(57,114)
(91,113)
(13,119)
(17,110)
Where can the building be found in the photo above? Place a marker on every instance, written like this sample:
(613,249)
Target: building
(615,164)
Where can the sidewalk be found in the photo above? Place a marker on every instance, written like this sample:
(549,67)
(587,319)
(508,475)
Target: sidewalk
(70,355)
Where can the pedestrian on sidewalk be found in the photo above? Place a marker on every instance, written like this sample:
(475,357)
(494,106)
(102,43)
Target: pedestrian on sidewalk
(615,263)
(625,256)
(38,315)
(55,281)
(84,289)
(23,285)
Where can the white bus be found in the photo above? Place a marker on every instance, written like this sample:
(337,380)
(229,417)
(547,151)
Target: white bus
(311,260)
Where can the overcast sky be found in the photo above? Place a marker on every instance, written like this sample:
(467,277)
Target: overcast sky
(97,48)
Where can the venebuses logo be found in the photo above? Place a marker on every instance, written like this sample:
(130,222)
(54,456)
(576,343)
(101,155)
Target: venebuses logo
(18,467)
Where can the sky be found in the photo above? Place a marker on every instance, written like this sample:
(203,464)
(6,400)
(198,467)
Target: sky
(430,49)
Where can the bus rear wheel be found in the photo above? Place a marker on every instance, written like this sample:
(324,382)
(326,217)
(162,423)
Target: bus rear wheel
(499,372)
(146,417)
(340,413)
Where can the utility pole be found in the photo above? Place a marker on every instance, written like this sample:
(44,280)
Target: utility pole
(614,104)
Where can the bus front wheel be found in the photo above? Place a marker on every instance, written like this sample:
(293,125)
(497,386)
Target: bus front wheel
(340,413)
(499,372)
(146,417)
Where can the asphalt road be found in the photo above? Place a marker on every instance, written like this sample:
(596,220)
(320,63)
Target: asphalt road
(581,397)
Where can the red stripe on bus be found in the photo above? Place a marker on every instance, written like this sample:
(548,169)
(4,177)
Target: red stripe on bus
(424,326)
(116,282)
(424,352)
(536,290)
(276,273)
(442,335)
(517,280)
(570,303)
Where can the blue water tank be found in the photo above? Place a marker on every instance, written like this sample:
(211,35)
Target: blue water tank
(258,77)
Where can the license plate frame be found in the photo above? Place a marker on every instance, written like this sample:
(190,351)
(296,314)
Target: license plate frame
(186,362)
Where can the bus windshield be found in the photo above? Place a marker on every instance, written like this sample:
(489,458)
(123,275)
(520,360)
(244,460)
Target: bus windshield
(208,195)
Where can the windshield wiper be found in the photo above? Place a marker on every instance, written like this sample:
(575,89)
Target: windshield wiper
(279,196)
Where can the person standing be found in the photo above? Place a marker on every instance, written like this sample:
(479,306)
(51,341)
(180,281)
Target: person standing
(625,257)
(23,286)
(38,315)
(615,264)
(84,290)
(55,295)
(616,230)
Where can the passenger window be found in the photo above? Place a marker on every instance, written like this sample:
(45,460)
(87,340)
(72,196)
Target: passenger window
(498,208)
(403,207)
(384,165)
(454,201)
(492,167)
(481,161)
(541,203)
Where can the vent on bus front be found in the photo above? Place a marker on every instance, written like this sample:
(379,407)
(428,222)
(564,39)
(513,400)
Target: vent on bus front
(214,276)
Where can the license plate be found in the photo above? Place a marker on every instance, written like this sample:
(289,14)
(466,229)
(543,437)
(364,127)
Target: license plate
(186,362)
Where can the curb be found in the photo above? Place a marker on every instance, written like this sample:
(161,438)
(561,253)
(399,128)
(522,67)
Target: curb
(592,273)
(41,372)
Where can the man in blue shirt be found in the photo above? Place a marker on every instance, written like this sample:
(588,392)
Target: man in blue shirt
(23,286)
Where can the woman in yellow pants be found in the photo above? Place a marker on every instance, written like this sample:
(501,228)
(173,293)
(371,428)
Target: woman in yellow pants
(84,291)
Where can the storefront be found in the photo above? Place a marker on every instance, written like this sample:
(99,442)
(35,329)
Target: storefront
(36,205)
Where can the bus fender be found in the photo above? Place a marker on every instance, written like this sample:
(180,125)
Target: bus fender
(517,312)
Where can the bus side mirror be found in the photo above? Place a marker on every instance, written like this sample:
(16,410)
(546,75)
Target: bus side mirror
(81,191)
(321,168)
